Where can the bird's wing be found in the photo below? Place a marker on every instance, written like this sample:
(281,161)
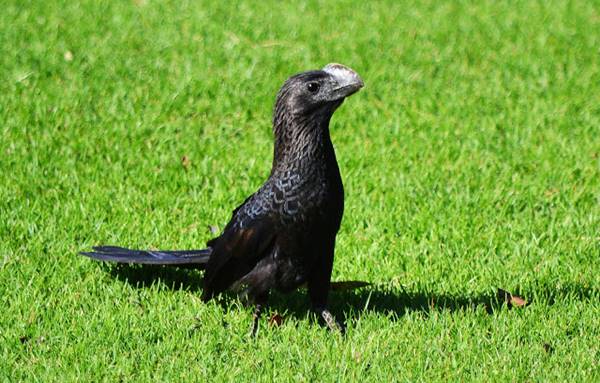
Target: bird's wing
(248,237)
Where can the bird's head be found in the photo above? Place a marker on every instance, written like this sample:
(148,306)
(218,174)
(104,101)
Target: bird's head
(317,92)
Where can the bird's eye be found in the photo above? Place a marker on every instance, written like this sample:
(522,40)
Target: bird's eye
(313,87)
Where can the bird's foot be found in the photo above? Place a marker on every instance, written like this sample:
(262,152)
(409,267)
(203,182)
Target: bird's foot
(330,321)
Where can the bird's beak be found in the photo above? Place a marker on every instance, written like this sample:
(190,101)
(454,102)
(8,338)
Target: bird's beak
(348,81)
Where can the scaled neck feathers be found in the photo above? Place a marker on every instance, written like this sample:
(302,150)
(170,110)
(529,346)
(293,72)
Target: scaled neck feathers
(301,139)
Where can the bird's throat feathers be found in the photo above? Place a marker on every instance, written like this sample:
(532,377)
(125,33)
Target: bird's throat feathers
(301,137)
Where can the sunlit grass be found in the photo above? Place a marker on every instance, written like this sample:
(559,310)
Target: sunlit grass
(471,161)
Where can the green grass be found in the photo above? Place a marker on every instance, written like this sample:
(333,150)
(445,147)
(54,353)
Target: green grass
(470,162)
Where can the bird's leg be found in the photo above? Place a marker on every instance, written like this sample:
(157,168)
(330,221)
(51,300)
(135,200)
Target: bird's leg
(258,309)
(260,301)
(329,319)
(319,283)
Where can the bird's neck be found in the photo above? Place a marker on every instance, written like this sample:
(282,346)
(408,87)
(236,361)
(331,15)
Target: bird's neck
(302,143)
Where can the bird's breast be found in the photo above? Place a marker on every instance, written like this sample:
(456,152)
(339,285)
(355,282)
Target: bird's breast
(303,198)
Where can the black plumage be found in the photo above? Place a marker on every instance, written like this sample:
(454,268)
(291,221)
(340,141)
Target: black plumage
(282,236)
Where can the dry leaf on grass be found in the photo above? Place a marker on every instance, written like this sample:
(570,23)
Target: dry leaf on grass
(275,320)
(510,299)
(185,162)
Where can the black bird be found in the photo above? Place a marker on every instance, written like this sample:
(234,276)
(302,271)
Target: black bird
(282,236)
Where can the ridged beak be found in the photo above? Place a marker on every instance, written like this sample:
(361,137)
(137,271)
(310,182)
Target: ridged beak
(348,81)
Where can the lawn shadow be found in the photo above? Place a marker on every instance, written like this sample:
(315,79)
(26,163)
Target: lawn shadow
(390,300)
(143,276)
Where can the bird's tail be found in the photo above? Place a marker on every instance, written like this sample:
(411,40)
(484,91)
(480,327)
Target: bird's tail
(150,257)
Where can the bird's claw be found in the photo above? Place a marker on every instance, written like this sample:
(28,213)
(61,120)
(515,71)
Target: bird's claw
(330,321)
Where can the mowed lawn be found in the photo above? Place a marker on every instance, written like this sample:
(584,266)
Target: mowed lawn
(471,162)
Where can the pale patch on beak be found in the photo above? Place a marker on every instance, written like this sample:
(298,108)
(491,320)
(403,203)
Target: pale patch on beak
(348,81)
